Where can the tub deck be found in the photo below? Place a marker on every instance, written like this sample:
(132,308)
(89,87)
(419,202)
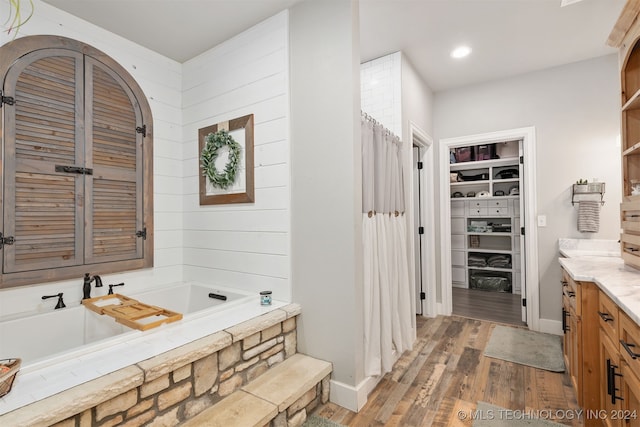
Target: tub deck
(45,379)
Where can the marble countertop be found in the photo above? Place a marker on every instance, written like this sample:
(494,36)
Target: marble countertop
(573,248)
(620,282)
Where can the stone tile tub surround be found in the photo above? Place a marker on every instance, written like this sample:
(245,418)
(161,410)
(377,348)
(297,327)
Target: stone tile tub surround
(620,282)
(174,385)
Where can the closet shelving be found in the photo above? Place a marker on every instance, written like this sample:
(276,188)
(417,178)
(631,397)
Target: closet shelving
(473,220)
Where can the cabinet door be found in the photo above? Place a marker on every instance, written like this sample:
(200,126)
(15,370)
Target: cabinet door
(566,338)
(631,390)
(610,383)
(575,355)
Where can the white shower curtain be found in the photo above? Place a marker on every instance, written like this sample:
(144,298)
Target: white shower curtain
(387,288)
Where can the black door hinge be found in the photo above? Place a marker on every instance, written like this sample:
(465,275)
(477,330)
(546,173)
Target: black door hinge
(524,302)
(9,100)
(522,230)
(423,296)
(522,160)
(419,165)
(6,240)
(420,230)
(142,129)
(142,233)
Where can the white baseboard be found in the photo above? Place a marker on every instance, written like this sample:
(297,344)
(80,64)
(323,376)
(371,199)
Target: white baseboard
(350,397)
(550,326)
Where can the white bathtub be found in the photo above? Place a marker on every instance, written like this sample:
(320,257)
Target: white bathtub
(40,338)
(45,376)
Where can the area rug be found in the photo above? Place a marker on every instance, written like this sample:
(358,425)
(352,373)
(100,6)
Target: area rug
(316,421)
(518,345)
(487,415)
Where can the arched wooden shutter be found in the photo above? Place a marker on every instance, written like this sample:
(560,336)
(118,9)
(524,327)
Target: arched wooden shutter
(114,152)
(43,129)
(77,163)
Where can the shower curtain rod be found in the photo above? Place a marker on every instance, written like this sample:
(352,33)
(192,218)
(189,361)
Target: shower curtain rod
(375,122)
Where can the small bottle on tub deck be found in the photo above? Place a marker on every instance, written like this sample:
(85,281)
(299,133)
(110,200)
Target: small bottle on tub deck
(265,298)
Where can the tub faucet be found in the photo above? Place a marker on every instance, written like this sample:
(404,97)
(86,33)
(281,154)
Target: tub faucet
(60,303)
(86,286)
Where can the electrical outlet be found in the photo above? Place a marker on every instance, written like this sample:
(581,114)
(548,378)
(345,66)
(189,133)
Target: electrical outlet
(542,220)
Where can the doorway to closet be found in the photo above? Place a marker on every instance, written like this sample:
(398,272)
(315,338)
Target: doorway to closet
(488,243)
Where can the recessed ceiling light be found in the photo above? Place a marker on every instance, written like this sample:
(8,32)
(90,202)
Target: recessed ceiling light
(460,52)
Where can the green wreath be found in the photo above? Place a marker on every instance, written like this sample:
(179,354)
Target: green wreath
(213,143)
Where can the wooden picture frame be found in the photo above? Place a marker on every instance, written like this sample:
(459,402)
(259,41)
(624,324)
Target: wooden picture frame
(244,191)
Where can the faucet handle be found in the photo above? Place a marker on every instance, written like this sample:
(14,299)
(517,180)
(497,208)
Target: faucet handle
(112,286)
(60,303)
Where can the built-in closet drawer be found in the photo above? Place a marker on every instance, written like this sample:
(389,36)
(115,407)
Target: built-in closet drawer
(630,342)
(498,204)
(474,204)
(473,211)
(609,317)
(457,241)
(493,211)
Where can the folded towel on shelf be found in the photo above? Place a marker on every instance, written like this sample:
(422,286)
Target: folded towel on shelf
(476,261)
(588,216)
(499,261)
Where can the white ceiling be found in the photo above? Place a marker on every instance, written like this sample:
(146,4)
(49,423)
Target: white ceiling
(508,37)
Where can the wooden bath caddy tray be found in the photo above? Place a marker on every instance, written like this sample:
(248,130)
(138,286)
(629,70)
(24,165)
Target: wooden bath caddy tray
(131,312)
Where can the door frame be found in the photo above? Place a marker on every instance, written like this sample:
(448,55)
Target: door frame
(420,138)
(530,261)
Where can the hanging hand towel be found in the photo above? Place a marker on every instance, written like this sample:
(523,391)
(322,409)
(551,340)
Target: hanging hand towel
(588,216)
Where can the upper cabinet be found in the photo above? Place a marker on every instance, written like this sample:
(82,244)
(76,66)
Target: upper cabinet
(626,37)
(77,153)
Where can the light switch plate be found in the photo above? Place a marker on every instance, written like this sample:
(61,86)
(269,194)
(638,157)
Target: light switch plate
(542,220)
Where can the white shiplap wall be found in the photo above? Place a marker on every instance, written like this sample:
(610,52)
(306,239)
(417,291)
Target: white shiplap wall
(246,245)
(160,79)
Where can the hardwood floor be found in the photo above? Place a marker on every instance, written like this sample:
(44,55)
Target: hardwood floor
(484,305)
(446,374)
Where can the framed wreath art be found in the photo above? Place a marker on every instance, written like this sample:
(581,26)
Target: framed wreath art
(226,162)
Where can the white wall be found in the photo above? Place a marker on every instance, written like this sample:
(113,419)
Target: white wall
(381,90)
(417,100)
(243,245)
(575,110)
(160,79)
(326,191)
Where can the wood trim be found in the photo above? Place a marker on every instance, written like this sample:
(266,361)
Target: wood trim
(248,196)
(626,19)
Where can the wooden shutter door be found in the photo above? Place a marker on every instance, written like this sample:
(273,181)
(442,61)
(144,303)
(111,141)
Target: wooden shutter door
(43,129)
(114,212)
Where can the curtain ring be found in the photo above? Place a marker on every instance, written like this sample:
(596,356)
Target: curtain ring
(370,214)
(397,213)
